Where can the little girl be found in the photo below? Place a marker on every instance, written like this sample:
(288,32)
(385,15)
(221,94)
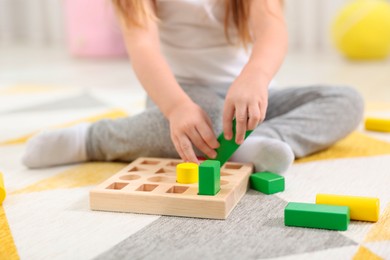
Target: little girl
(204,63)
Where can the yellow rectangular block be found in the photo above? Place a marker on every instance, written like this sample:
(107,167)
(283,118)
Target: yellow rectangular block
(361,208)
(378,124)
(2,189)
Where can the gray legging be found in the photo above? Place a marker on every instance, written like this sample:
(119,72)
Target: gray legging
(309,119)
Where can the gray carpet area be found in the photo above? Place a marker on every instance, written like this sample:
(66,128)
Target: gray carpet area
(254,230)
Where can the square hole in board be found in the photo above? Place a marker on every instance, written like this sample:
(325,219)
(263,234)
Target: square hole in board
(147,187)
(177,189)
(233,166)
(117,186)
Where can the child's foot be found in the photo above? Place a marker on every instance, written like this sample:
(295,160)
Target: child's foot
(267,154)
(57,147)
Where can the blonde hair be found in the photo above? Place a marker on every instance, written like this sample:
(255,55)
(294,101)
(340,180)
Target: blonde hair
(138,12)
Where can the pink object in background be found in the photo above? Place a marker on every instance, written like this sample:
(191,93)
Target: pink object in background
(92,29)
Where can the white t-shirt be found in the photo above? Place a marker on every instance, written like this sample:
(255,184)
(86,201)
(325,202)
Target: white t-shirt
(194,43)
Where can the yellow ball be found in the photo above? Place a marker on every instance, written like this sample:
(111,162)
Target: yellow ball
(362,30)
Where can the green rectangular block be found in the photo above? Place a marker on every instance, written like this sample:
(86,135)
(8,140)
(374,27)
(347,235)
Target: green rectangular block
(209,177)
(316,216)
(267,182)
(228,147)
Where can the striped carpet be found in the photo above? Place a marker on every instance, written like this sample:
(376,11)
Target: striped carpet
(46,213)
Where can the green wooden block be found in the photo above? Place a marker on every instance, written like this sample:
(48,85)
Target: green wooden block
(267,182)
(228,147)
(316,216)
(209,177)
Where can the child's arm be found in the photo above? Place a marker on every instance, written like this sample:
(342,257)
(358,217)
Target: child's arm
(247,97)
(159,82)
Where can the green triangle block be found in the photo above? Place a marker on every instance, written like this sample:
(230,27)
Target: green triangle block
(228,147)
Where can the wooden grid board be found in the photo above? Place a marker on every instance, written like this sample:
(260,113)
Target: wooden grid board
(148,185)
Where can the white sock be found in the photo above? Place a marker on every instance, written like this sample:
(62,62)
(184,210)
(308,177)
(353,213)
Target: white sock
(266,154)
(57,147)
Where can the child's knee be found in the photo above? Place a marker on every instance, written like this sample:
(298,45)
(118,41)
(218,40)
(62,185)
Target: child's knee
(355,99)
(351,104)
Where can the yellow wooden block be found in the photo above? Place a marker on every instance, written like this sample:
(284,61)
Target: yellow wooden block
(378,124)
(187,173)
(2,189)
(361,208)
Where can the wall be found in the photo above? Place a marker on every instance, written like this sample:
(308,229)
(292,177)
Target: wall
(40,23)
(309,23)
(33,22)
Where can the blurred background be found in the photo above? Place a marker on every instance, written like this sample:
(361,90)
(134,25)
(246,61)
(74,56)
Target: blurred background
(43,22)
(77,43)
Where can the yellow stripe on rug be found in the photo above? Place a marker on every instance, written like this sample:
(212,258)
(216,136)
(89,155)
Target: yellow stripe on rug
(355,145)
(364,253)
(82,175)
(112,114)
(7,246)
(380,231)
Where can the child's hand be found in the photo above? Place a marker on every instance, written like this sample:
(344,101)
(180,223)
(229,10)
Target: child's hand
(189,124)
(247,101)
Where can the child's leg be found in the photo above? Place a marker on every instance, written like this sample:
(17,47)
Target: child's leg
(145,134)
(309,119)
(125,139)
(56,147)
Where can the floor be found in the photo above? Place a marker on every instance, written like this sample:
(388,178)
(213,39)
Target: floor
(45,88)
(37,66)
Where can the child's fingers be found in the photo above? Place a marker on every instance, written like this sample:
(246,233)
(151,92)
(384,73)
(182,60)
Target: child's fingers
(198,141)
(207,134)
(228,114)
(254,116)
(187,150)
(178,149)
(241,123)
